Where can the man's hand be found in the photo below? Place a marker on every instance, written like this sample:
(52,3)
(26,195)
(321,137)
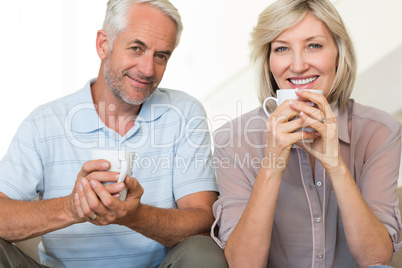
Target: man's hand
(99,203)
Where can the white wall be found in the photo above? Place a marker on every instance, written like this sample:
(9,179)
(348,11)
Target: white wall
(48,51)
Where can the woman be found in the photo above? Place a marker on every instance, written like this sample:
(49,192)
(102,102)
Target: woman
(330,203)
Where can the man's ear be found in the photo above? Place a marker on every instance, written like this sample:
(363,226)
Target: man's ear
(102,44)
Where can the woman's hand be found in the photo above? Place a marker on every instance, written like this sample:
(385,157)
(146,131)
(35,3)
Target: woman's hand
(282,134)
(322,120)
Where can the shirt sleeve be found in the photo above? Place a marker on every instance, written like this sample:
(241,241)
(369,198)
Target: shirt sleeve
(235,185)
(379,174)
(21,171)
(192,170)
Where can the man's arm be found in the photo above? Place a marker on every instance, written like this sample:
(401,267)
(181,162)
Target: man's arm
(22,220)
(167,226)
(170,226)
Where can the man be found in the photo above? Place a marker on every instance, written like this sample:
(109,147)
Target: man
(82,221)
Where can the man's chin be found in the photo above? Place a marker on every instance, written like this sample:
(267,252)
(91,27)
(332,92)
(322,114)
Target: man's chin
(136,101)
(137,96)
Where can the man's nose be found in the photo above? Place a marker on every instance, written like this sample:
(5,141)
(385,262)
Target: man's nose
(147,66)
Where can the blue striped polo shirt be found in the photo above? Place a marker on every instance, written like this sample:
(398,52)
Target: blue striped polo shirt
(171,142)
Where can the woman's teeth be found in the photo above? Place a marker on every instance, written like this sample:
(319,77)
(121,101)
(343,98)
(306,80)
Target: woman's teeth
(303,81)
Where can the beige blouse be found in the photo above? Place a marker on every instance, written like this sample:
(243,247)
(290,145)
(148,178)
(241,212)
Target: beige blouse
(308,228)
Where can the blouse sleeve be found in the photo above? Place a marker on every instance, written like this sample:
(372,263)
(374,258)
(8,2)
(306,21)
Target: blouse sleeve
(235,180)
(379,172)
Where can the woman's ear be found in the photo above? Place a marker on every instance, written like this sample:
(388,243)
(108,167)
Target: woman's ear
(102,44)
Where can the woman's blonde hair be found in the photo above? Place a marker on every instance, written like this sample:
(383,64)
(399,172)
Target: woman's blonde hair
(284,14)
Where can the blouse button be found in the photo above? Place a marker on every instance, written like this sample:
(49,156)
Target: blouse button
(319,183)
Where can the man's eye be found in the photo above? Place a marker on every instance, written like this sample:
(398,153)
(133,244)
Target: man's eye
(135,48)
(161,58)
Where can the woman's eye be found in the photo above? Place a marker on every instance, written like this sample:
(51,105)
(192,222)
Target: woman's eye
(315,46)
(280,49)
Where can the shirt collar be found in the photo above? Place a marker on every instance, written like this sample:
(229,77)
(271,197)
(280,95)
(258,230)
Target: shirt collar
(154,106)
(343,122)
(83,118)
(82,115)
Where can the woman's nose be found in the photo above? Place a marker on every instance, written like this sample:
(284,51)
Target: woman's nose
(299,63)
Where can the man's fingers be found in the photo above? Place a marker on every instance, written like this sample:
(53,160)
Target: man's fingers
(103,176)
(89,201)
(114,188)
(77,205)
(93,165)
(134,187)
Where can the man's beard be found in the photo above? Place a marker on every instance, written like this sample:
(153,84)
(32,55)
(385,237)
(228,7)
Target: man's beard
(115,84)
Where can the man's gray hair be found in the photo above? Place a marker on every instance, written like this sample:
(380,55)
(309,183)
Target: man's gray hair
(116,18)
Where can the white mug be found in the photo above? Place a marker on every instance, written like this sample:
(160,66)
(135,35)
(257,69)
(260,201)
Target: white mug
(289,94)
(120,161)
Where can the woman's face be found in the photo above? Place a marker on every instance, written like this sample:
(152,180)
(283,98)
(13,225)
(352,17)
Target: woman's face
(304,56)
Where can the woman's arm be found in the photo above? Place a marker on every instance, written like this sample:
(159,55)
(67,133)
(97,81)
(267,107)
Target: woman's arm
(367,238)
(249,243)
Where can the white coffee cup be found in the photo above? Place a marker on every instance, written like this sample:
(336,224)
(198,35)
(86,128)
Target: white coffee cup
(289,94)
(120,161)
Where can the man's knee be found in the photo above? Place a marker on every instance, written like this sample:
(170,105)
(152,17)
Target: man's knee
(197,251)
(11,256)
(5,249)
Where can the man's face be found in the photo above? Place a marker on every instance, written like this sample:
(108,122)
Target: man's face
(135,66)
